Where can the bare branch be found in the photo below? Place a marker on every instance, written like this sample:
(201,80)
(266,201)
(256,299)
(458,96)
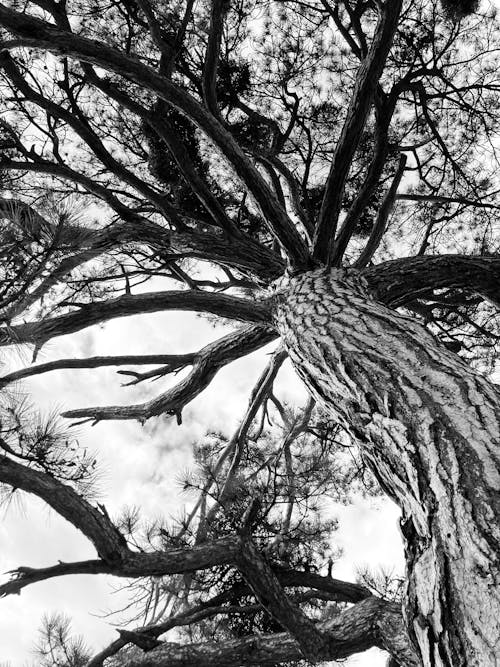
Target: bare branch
(41,331)
(174,361)
(24,576)
(207,362)
(235,445)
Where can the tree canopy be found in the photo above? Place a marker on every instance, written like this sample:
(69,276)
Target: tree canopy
(199,156)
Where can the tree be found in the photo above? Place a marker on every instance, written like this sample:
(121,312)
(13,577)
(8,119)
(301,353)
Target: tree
(322,172)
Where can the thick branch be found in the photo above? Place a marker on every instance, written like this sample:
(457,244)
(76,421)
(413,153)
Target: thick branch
(171,560)
(41,331)
(271,595)
(219,8)
(343,591)
(362,97)
(118,560)
(374,173)
(243,254)
(93,523)
(357,629)
(333,590)
(133,565)
(400,281)
(208,361)
(110,544)
(157,119)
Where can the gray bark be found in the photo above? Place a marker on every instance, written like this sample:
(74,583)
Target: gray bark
(428,426)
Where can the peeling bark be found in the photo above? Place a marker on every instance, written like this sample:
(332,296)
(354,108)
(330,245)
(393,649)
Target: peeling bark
(428,426)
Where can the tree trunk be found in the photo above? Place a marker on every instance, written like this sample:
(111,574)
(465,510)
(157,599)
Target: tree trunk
(428,426)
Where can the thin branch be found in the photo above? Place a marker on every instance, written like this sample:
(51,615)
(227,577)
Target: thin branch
(234,447)
(174,362)
(83,128)
(440,199)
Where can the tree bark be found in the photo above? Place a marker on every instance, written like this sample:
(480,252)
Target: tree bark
(428,426)
(40,331)
(398,282)
(369,623)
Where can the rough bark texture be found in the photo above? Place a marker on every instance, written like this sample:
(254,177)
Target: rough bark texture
(400,281)
(39,332)
(429,428)
(268,591)
(356,629)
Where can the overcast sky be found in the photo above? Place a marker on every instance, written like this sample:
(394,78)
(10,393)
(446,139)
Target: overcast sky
(142,466)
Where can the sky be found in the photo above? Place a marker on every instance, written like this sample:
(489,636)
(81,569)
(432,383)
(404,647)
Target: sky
(142,465)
